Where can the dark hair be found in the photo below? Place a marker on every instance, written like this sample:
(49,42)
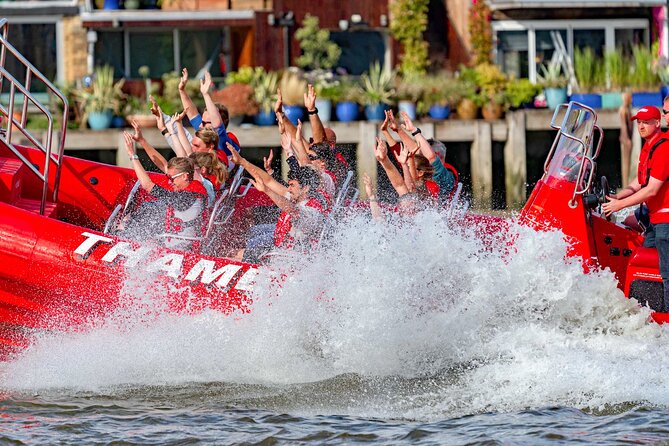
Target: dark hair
(422,164)
(306,176)
(225,114)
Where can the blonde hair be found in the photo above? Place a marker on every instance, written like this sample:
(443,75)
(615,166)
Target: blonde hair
(210,161)
(183,164)
(209,137)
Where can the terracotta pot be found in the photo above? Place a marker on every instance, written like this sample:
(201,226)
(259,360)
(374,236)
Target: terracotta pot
(492,111)
(467,109)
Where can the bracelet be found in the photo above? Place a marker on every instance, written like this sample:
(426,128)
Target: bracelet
(165,131)
(133,157)
(313,112)
(415,132)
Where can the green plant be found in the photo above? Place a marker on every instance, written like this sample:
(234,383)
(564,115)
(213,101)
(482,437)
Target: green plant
(551,76)
(376,85)
(492,83)
(103,94)
(617,69)
(407,25)
(245,75)
(480,31)
(588,69)
(440,89)
(264,90)
(643,76)
(318,51)
(170,100)
(521,91)
(409,87)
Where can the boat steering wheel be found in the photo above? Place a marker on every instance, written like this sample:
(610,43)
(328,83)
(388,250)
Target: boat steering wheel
(119,212)
(601,198)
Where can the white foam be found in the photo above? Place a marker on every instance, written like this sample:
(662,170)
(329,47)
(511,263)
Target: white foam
(500,328)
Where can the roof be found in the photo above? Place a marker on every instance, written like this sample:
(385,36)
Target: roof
(158,17)
(519,4)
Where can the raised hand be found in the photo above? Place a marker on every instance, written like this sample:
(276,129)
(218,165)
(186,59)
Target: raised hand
(310,98)
(380,150)
(285,143)
(235,157)
(129,143)
(384,124)
(278,105)
(282,126)
(367,181)
(138,131)
(408,123)
(160,119)
(298,130)
(267,161)
(154,106)
(403,156)
(205,84)
(259,184)
(183,80)
(392,123)
(179,116)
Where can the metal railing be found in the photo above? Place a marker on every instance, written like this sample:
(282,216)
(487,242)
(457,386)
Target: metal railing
(51,156)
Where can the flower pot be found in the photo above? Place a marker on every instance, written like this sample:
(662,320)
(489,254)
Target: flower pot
(439,111)
(111,4)
(591,100)
(467,109)
(324,107)
(664,90)
(131,4)
(612,100)
(118,122)
(555,97)
(375,112)
(293,113)
(641,98)
(492,111)
(265,118)
(100,120)
(408,107)
(346,111)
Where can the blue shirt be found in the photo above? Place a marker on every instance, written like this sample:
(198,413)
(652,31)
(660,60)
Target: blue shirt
(223,137)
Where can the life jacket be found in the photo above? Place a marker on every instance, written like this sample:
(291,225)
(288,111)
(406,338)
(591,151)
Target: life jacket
(214,180)
(644,168)
(222,156)
(179,222)
(432,188)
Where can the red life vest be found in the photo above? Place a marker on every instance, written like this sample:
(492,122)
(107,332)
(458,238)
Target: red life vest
(284,225)
(175,225)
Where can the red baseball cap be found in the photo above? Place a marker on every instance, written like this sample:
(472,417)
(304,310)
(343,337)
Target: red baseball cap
(646,113)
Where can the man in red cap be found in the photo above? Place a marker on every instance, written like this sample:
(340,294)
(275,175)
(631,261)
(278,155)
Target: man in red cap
(651,187)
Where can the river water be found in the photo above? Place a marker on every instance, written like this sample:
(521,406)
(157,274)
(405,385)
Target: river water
(404,332)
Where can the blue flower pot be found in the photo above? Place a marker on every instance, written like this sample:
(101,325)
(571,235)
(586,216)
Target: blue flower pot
(293,113)
(375,112)
(647,98)
(347,111)
(111,4)
(555,97)
(612,100)
(118,122)
(100,120)
(408,107)
(439,111)
(265,118)
(665,91)
(591,100)
(324,107)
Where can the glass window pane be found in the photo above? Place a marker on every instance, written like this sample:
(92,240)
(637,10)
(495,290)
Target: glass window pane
(153,49)
(109,51)
(627,38)
(359,49)
(37,42)
(590,38)
(512,53)
(200,49)
(545,46)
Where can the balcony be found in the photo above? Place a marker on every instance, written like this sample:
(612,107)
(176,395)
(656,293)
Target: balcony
(519,4)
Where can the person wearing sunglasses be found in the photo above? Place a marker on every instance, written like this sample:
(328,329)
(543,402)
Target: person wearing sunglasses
(181,199)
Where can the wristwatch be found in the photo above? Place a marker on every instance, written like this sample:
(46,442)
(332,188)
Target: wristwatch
(313,112)
(165,131)
(134,157)
(415,132)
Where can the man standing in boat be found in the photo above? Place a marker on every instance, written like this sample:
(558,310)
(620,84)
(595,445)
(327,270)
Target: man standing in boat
(651,187)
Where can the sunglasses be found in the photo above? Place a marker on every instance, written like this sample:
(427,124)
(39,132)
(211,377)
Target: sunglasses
(205,123)
(172,178)
(665,111)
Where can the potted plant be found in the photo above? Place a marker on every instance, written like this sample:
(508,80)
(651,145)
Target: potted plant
(643,78)
(440,92)
(293,87)
(409,89)
(264,93)
(554,83)
(617,73)
(588,71)
(328,90)
(131,4)
(101,98)
(492,84)
(238,98)
(376,91)
(468,105)
(521,92)
(347,108)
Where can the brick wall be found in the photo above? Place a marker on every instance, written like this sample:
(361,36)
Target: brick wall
(74,48)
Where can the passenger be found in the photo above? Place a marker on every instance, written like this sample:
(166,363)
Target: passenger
(182,204)
(211,172)
(302,207)
(374,207)
(408,202)
(650,186)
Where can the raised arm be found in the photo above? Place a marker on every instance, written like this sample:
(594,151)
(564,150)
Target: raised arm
(142,176)
(186,101)
(381,153)
(423,144)
(279,199)
(259,174)
(154,155)
(212,110)
(317,129)
(298,145)
(384,128)
(403,159)
(374,207)
(281,116)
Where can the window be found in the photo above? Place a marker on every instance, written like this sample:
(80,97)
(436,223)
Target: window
(37,42)
(359,49)
(512,54)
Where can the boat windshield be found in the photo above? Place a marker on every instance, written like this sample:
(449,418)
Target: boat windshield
(572,148)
